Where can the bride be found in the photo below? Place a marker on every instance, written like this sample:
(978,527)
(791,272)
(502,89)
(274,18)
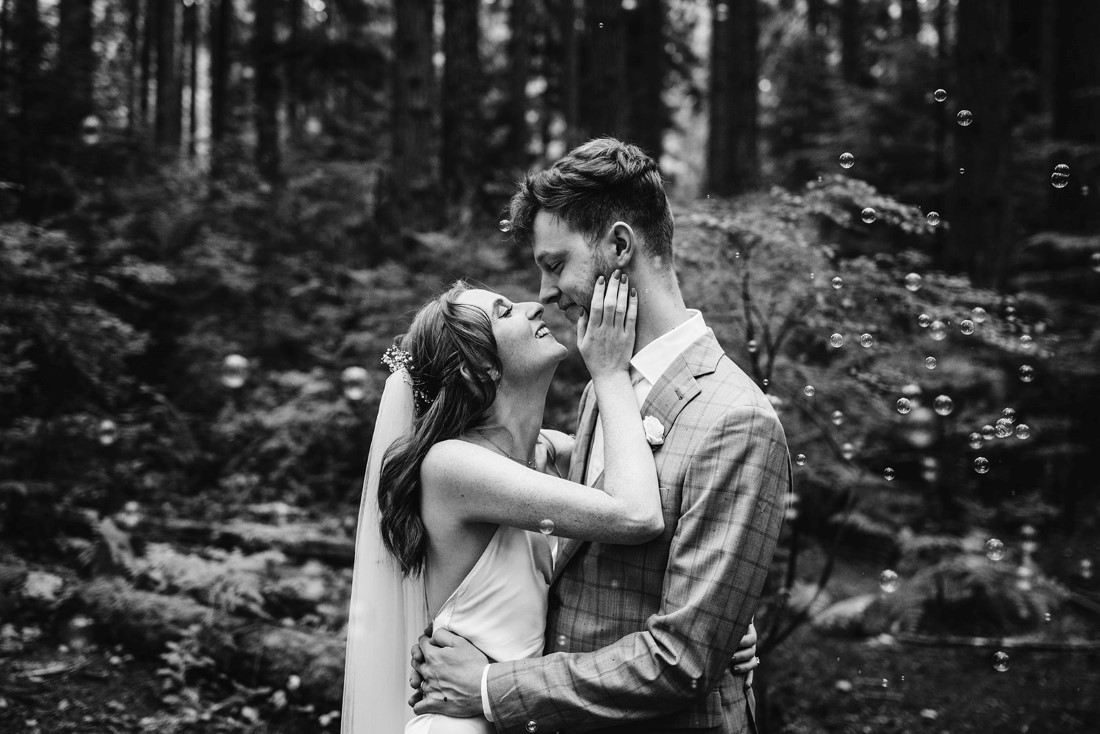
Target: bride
(464,489)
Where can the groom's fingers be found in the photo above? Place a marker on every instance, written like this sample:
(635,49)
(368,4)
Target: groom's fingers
(445,638)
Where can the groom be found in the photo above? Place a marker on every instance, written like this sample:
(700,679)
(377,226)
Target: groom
(639,638)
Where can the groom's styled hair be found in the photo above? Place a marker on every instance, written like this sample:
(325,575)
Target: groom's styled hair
(594,185)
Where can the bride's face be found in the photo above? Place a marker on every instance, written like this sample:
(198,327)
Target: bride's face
(524,343)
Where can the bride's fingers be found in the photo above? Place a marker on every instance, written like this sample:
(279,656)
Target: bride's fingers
(611,298)
(595,310)
(622,303)
(631,311)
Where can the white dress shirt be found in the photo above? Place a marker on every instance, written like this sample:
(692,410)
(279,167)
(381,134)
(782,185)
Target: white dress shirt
(649,363)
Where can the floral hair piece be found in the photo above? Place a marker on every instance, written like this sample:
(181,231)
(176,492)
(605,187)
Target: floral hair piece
(401,360)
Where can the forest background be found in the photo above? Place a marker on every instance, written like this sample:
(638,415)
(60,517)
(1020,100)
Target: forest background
(215,215)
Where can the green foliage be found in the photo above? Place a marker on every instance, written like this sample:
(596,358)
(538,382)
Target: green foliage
(233,583)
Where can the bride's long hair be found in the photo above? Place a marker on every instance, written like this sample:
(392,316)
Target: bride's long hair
(455,369)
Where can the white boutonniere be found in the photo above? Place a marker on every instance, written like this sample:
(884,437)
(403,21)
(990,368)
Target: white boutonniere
(654,430)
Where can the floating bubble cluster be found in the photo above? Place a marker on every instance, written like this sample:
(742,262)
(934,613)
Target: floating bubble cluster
(847,160)
(234,371)
(354,380)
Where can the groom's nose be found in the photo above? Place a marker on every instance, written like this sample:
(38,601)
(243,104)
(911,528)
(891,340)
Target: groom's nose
(548,294)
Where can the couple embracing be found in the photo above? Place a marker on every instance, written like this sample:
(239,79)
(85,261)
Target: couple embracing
(606,581)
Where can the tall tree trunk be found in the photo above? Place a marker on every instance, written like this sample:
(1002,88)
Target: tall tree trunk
(75,65)
(851,43)
(191,47)
(27,44)
(732,158)
(293,73)
(462,101)
(519,71)
(267,91)
(221,32)
(604,104)
(133,37)
(647,69)
(150,24)
(168,113)
(982,232)
(1077,112)
(5,33)
(415,137)
(910,19)
(570,82)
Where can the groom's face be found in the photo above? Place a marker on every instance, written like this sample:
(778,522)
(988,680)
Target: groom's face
(568,264)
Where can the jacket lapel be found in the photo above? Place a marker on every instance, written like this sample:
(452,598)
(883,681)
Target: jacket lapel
(674,390)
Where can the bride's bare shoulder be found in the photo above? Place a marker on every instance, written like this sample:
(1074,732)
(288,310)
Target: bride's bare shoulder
(449,458)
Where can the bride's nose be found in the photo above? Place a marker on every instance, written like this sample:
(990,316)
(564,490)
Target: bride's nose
(534,310)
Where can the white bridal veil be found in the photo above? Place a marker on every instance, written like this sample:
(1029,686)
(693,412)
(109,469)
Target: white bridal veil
(388,612)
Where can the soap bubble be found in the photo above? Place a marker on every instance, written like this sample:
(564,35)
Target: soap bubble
(1027,373)
(888,580)
(234,371)
(1084,569)
(938,330)
(940,95)
(1026,342)
(868,215)
(924,319)
(752,346)
(866,341)
(800,459)
(1009,413)
(1095,260)
(505,225)
(847,160)
(837,283)
(933,218)
(943,405)
(981,465)
(562,640)
(532,725)
(965,117)
(1059,180)
(904,406)
(1023,431)
(546,527)
(979,315)
(966,326)
(1003,428)
(837,417)
(994,549)
(975,440)
(836,341)
(847,451)
(913,282)
(930,362)
(809,391)
(888,474)
(354,380)
(107,432)
(988,432)
(1000,661)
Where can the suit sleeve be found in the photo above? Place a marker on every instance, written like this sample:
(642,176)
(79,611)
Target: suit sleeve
(730,516)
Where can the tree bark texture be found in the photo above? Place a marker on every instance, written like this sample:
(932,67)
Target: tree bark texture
(169,111)
(265,56)
(462,100)
(982,232)
(519,71)
(570,81)
(732,157)
(415,136)
(221,31)
(851,43)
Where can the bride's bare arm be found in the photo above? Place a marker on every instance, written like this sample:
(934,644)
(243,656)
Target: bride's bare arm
(483,486)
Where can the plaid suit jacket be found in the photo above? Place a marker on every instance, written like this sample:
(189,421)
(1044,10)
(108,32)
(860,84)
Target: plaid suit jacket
(641,636)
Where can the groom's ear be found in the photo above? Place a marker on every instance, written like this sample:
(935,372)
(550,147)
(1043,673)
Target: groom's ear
(621,245)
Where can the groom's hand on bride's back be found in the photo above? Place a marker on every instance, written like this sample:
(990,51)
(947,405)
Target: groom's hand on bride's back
(447,675)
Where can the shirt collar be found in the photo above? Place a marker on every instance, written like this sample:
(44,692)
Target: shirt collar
(654,358)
